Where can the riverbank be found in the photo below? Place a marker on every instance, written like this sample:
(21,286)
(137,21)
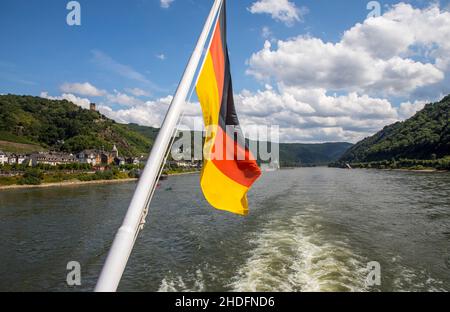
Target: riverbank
(425,170)
(78,182)
(429,170)
(413,165)
(66,183)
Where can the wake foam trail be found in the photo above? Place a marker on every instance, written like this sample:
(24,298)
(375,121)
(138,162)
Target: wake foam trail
(410,280)
(177,284)
(292,255)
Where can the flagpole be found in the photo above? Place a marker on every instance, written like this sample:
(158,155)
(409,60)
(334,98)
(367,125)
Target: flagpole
(126,236)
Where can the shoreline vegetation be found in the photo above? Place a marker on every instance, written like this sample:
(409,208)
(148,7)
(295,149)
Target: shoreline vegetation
(442,164)
(65,183)
(78,182)
(424,170)
(75,173)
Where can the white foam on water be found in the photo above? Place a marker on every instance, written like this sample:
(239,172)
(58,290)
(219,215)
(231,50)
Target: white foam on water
(297,255)
(293,256)
(177,284)
(171,284)
(416,281)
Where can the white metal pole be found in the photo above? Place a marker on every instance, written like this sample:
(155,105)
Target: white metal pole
(124,240)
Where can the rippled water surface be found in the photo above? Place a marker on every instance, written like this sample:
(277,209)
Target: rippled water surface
(309,230)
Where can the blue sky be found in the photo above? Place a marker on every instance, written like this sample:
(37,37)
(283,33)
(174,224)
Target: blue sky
(138,49)
(44,51)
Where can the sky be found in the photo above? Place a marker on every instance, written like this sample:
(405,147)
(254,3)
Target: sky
(323,71)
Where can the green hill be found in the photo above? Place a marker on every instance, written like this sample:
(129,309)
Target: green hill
(148,132)
(425,136)
(297,154)
(61,125)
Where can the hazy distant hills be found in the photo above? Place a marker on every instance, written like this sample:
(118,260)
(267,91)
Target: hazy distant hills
(296,154)
(424,136)
(30,124)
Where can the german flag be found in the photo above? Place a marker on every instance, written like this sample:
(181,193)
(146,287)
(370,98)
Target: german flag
(229,168)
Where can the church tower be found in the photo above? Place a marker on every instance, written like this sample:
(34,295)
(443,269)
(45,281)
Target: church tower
(115,152)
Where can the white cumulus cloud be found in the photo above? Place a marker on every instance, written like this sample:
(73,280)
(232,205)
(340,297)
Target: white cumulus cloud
(408,109)
(281,10)
(137,92)
(85,89)
(165,4)
(312,115)
(82,102)
(123,99)
(395,54)
(150,113)
(311,63)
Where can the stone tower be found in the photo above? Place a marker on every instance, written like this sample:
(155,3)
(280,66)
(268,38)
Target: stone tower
(115,152)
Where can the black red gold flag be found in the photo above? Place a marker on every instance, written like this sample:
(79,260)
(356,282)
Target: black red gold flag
(229,168)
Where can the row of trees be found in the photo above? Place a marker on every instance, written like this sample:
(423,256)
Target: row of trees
(24,175)
(412,164)
(35,176)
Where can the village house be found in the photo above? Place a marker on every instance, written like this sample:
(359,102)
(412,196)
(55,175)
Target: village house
(27,161)
(12,159)
(133,161)
(52,159)
(3,158)
(97,157)
(20,159)
(119,161)
(108,158)
(15,159)
(92,157)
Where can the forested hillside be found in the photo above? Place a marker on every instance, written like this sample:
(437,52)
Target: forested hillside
(61,125)
(425,136)
(298,154)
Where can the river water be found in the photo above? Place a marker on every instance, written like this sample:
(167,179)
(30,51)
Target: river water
(312,229)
